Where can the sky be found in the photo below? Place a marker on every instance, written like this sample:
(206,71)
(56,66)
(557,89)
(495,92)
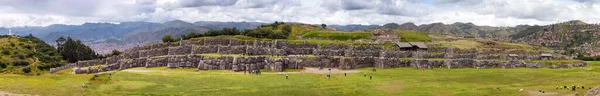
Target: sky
(14,13)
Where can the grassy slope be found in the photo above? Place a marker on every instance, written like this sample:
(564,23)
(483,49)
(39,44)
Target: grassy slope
(480,45)
(23,50)
(322,42)
(410,36)
(335,35)
(404,81)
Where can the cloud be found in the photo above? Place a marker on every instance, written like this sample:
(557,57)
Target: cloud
(200,3)
(481,12)
(356,4)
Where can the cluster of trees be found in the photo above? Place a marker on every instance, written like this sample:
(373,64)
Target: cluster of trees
(224,31)
(270,31)
(588,58)
(73,50)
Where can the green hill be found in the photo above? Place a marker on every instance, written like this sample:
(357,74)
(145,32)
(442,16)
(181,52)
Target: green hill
(27,55)
(334,35)
(411,36)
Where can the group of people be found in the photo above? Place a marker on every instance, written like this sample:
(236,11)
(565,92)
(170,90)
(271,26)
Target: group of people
(257,71)
(328,75)
(573,87)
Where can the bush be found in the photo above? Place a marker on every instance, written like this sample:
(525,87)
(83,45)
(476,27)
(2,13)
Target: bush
(168,38)
(5,52)
(20,63)
(26,70)
(3,65)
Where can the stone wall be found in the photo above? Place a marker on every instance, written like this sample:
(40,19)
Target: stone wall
(186,55)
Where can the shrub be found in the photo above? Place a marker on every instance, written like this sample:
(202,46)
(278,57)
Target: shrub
(5,52)
(20,63)
(168,38)
(26,70)
(3,65)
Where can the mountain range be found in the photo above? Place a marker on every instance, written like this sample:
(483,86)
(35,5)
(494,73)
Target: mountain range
(104,37)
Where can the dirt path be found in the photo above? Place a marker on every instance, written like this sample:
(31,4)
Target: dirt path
(593,92)
(2,93)
(326,70)
(537,93)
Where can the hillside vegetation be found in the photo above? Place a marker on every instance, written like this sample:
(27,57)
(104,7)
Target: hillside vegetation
(27,55)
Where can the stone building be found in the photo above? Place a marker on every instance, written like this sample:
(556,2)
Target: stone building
(411,46)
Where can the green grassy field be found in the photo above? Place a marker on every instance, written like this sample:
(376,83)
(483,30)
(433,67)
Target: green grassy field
(334,35)
(396,81)
(410,36)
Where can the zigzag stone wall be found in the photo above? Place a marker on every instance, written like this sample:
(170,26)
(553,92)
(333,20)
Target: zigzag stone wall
(185,54)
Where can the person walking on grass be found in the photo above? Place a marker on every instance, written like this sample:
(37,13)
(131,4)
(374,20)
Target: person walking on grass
(370,77)
(286,76)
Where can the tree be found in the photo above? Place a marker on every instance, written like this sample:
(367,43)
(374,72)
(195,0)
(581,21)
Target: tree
(26,69)
(168,38)
(74,50)
(114,53)
(323,25)
(59,42)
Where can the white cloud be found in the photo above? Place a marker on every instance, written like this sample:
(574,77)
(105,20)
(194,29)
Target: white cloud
(481,12)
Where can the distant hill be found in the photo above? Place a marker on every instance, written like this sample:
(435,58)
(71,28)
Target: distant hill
(221,25)
(126,34)
(458,29)
(571,37)
(103,37)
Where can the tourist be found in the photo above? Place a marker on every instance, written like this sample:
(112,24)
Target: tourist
(329,70)
(286,76)
(370,77)
(364,74)
(84,85)
(344,74)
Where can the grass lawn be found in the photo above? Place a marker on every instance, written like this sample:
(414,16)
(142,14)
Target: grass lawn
(410,36)
(335,35)
(395,82)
